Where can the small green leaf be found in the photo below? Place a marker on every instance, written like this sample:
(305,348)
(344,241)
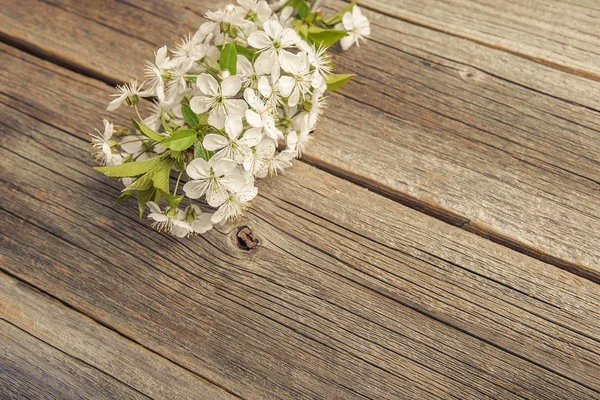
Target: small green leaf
(245,51)
(129,169)
(144,182)
(324,37)
(303,31)
(228,58)
(303,9)
(190,117)
(160,175)
(181,140)
(172,200)
(143,197)
(201,152)
(122,197)
(336,81)
(148,132)
(338,17)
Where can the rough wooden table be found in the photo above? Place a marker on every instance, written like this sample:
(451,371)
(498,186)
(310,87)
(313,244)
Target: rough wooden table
(455,254)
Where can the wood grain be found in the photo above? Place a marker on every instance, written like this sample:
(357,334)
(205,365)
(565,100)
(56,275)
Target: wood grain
(76,336)
(462,141)
(441,313)
(562,34)
(32,369)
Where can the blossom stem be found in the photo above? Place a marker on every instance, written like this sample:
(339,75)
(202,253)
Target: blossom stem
(177,183)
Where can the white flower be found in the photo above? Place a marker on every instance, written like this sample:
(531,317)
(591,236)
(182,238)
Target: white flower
(274,38)
(171,220)
(261,115)
(257,163)
(200,221)
(129,93)
(218,99)
(212,178)
(319,61)
(155,71)
(298,83)
(357,26)
(101,143)
(190,50)
(280,162)
(236,203)
(254,10)
(233,147)
(299,138)
(250,74)
(273,41)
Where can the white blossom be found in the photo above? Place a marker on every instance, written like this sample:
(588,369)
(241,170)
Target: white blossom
(217,99)
(357,26)
(221,119)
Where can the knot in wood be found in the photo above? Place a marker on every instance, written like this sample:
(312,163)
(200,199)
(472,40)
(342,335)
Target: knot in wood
(246,239)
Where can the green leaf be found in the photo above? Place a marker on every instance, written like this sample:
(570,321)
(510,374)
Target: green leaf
(172,200)
(201,152)
(336,81)
(245,51)
(161,174)
(148,132)
(338,17)
(129,169)
(181,140)
(122,197)
(143,197)
(144,182)
(303,9)
(190,117)
(325,37)
(228,60)
(303,31)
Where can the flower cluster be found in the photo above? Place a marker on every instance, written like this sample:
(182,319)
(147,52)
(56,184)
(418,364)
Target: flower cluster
(235,101)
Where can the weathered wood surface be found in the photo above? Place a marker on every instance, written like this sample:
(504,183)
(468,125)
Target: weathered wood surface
(488,140)
(32,369)
(339,301)
(562,34)
(114,359)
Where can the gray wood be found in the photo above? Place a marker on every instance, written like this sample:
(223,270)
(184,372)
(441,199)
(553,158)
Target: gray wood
(39,316)
(451,134)
(339,300)
(562,34)
(32,369)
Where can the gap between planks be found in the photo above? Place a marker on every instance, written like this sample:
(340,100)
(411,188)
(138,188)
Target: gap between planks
(405,199)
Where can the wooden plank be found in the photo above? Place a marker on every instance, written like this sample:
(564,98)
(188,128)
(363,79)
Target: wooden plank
(38,316)
(562,34)
(496,158)
(442,313)
(32,369)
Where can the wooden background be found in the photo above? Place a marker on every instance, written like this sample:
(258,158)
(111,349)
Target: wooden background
(440,239)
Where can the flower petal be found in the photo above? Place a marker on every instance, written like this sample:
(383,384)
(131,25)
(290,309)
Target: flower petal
(264,63)
(259,40)
(199,104)
(195,189)
(223,166)
(273,29)
(347,41)
(198,169)
(252,137)
(216,117)
(286,85)
(214,142)
(207,84)
(254,119)
(233,126)
(235,107)
(202,223)
(231,86)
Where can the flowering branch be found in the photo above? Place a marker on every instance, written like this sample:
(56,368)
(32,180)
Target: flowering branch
(236,101)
